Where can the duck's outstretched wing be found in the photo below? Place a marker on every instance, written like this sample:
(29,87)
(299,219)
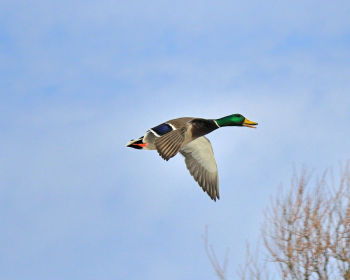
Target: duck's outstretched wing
(200,161)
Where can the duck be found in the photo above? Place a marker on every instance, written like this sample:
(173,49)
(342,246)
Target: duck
(186,136)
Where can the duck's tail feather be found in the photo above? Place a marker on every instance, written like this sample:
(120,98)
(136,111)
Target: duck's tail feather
(136,144)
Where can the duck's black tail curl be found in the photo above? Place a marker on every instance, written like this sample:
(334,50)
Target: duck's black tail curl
(136,144)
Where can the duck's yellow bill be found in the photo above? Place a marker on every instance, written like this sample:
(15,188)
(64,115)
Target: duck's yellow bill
(249,123)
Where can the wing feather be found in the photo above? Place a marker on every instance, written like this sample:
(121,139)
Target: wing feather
(200,162)
(170,143)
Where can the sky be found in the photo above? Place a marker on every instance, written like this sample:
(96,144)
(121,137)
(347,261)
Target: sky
(79,79)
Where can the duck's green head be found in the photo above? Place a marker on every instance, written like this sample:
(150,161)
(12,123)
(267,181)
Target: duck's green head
(235,120)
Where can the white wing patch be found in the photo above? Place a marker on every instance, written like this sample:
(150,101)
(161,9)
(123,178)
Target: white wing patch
(155,133)
(173,127)
(200,161)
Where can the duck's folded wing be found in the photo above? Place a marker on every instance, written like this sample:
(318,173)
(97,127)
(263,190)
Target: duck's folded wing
(200,161)
(170,143)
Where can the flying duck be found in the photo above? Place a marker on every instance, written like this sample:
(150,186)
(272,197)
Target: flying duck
(186,135)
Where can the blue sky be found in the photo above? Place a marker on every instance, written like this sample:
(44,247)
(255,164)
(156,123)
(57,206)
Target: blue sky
(78,80)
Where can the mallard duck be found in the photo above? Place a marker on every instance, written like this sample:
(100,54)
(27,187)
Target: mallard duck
(186,135)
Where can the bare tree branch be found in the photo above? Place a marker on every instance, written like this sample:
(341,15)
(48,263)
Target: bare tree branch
(220,270)
(306,232)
